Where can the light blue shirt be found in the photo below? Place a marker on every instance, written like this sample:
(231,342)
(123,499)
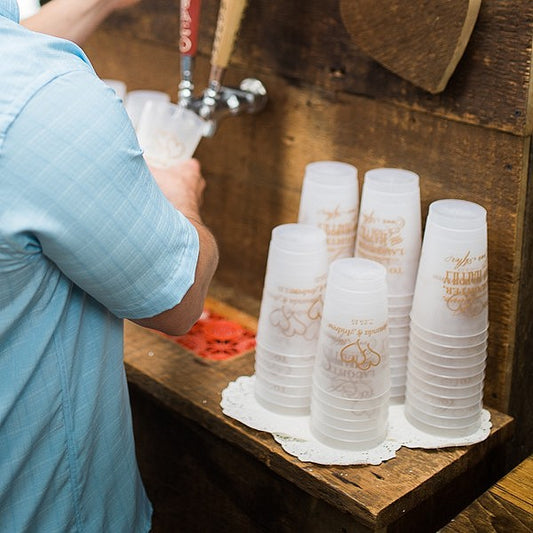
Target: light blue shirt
(86,239)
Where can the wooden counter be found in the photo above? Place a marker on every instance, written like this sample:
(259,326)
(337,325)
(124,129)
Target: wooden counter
(207,472)
(506,507)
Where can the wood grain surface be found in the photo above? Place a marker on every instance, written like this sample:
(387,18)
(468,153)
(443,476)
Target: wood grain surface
(421,41)
(328,100)
(506,507)
(375,495)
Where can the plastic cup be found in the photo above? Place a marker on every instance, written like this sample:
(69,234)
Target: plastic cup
(451,292)
(277,367)
(445,349)
(364,414)
(365,402)
(468,423)
(398,321)
(343,444)
(396,300)
(134,102)
(282,378)
(445,370)
(443,390)
(450,361)
(326,415)
(168,133)
(118,86)
(429,398)
(283,407)
(442,380)
(293,291)
(352,351)
(443,410)
(389,227)
(449,340)
(330,200)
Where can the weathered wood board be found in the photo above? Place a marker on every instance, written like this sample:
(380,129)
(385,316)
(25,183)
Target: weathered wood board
(369,497)
(327,100)
(506,506)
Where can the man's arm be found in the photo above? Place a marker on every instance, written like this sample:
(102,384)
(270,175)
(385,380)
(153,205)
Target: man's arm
(183,186)
(74,20)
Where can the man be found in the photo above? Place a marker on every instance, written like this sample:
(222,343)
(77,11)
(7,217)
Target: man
(87,237)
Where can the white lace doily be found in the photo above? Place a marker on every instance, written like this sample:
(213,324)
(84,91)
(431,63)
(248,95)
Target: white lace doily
(295,437)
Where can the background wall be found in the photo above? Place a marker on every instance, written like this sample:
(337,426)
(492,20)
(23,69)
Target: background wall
(327,100)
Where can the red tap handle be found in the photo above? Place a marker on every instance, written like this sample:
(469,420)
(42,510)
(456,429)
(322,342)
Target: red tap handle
(189,23)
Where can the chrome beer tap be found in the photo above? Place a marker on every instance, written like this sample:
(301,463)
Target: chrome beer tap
(217,100)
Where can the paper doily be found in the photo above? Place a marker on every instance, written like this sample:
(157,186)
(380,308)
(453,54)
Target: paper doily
(295,437)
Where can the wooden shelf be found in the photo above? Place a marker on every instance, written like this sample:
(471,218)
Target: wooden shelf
(369,498)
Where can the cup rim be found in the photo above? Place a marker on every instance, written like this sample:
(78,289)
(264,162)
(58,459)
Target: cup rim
(282,407)
(456,356)
(346,444)
(263,346)
(434,397)
(438,376)
(458,351)
(448,390)
(447,367)
(417,325)
(379,400)
(414,334)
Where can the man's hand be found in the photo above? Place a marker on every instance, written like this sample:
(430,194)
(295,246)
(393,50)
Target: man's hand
(183,185)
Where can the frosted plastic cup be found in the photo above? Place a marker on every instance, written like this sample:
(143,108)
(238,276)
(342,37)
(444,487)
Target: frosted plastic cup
(443,390)
(444,410)
(390,227)
(346,386)
(135,101)
(399,310)
(445,381)
(287,390)
(334,418)
(272,365)
(283,407)
(399,340)
(282,378)
(293,291)
(331,397)
(451,361)
(443,422)
(364,414)
(442,349)
(429,398)
(344,444)
(398,350)
(449,340)
(353,333)
(399,331)
(300,363)
(400,300)
(350,430)
(118,86)
(330,200)
(168,133)
(399,320)
(451,292)
(442,370)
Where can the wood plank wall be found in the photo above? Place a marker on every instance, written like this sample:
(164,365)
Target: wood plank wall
(327,100)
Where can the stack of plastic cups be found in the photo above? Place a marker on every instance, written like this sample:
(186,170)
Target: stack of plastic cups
(135,101)
(390,232)
(289,318)
(449,322)
(351,381)
(330,200)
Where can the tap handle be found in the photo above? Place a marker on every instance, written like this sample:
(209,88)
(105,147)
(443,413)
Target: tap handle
(189,23)
(229,19)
